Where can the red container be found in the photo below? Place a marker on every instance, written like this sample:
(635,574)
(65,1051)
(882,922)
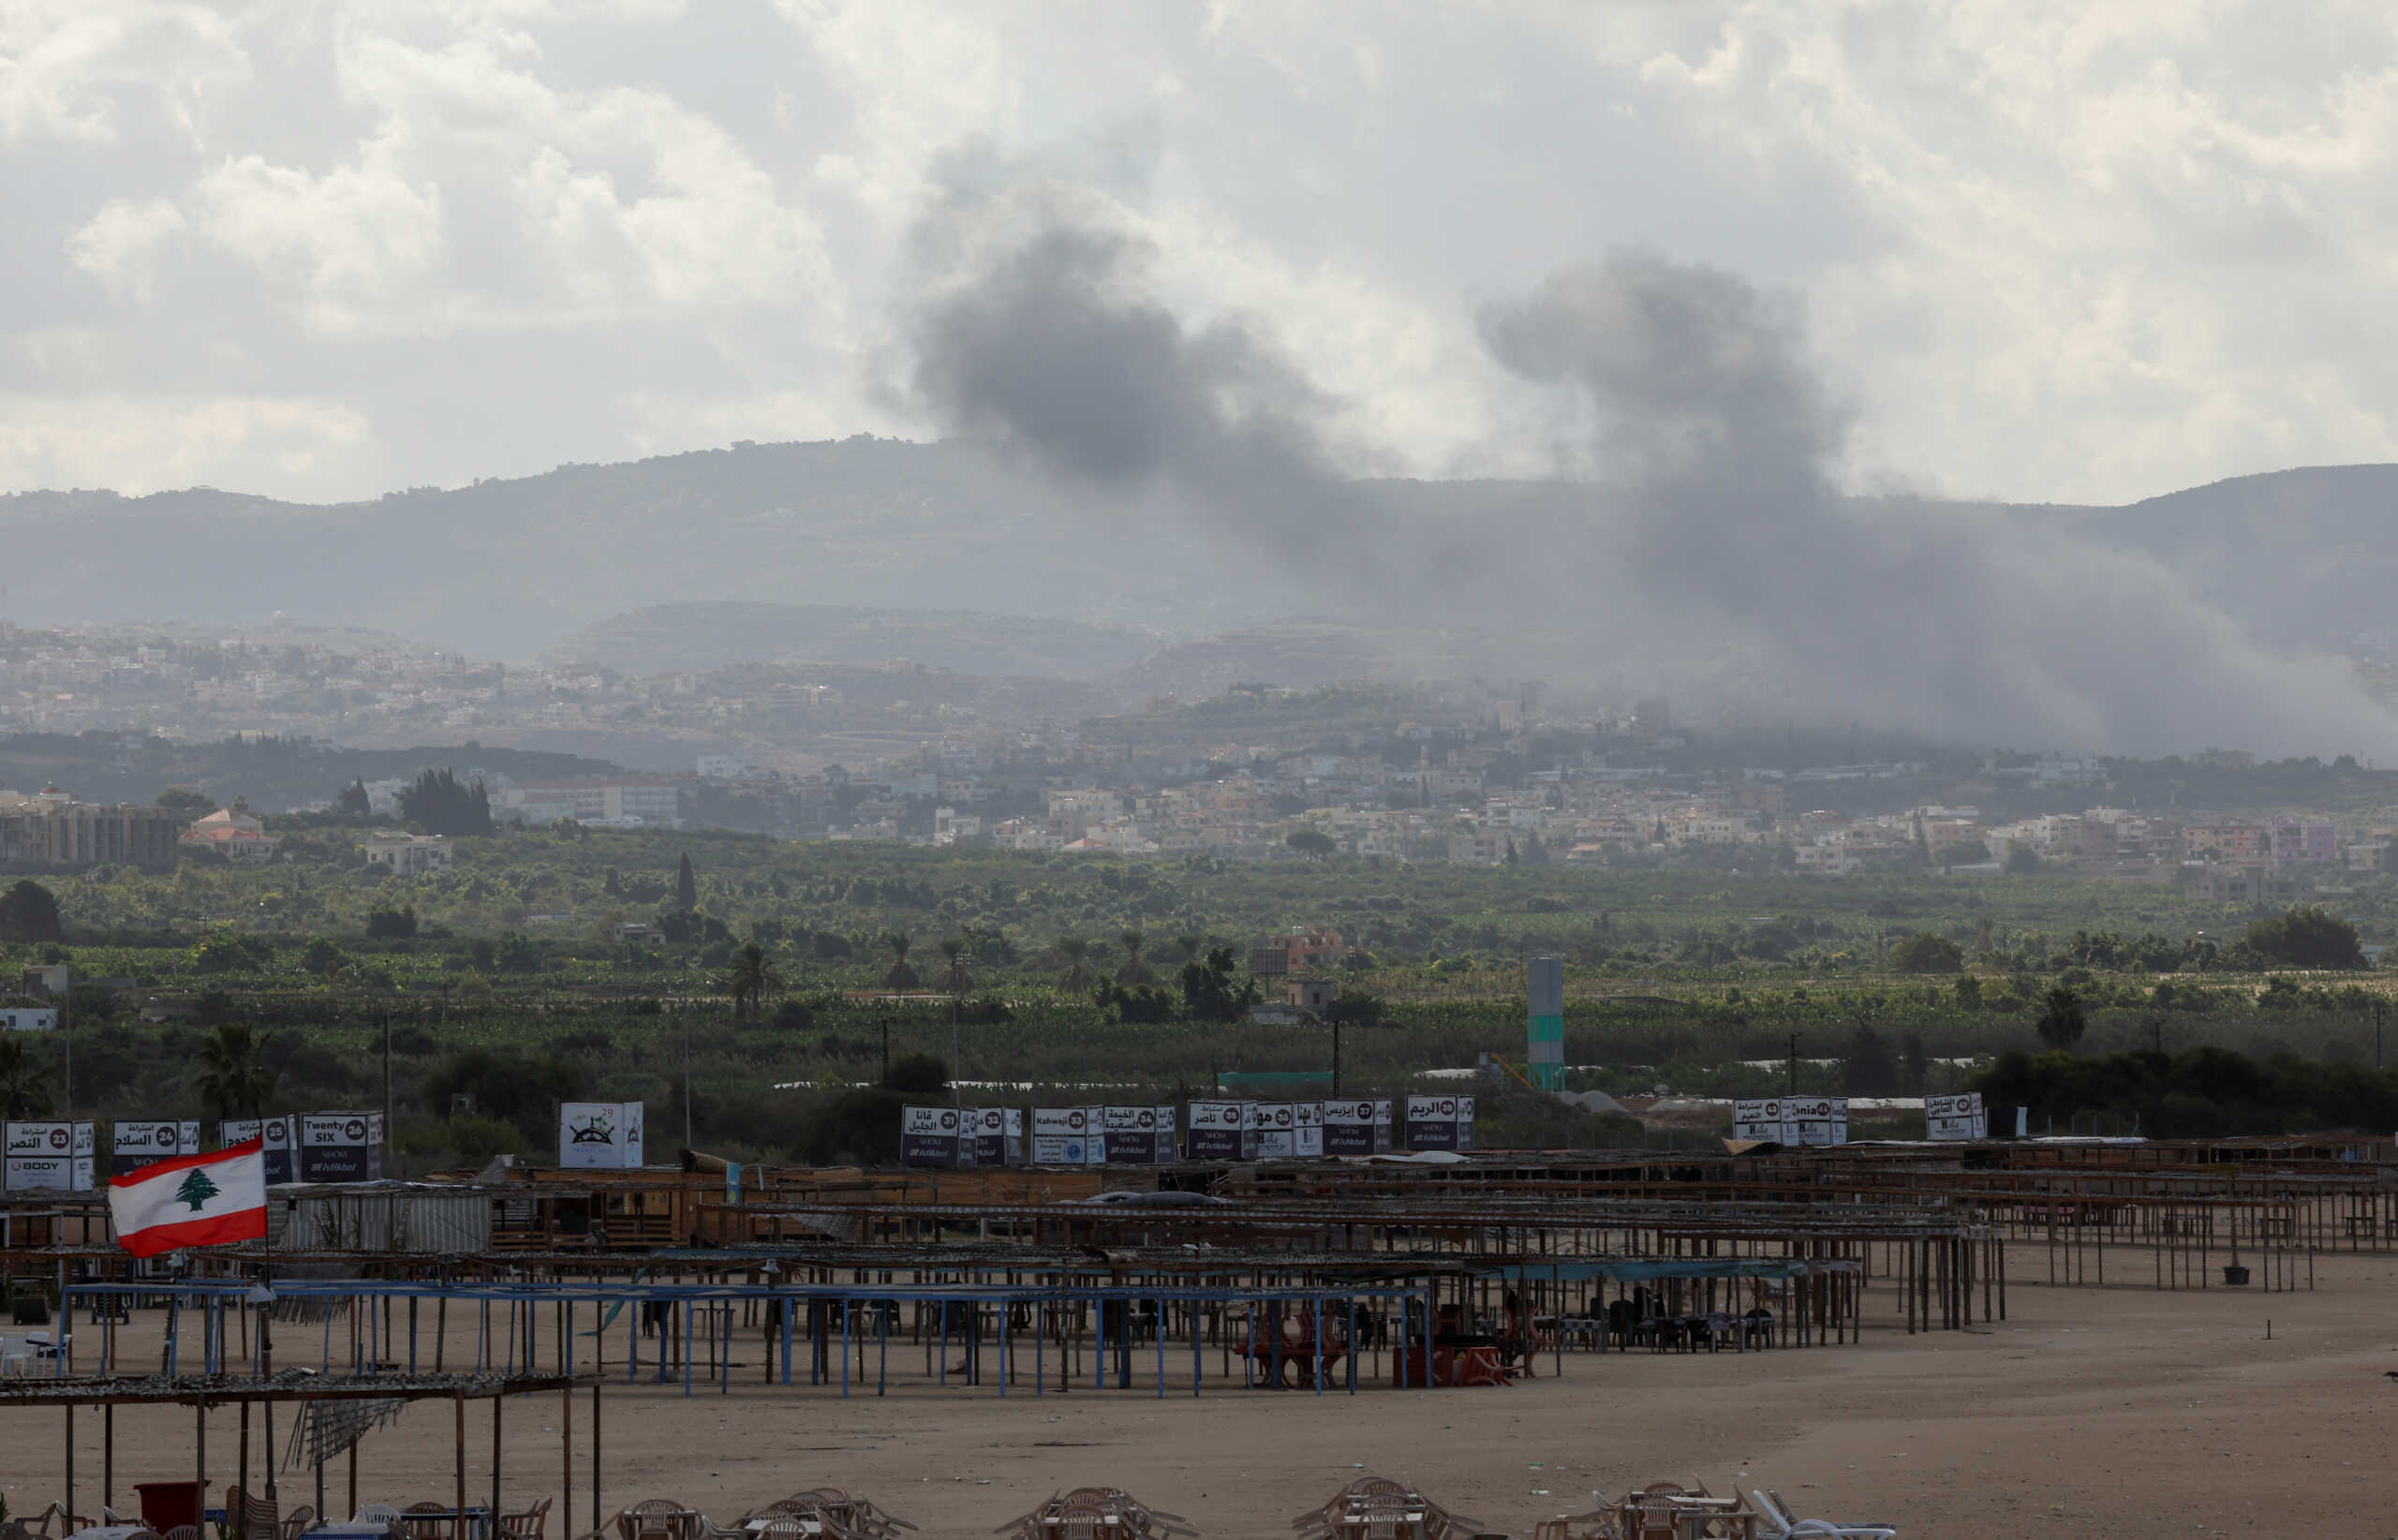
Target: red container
(167,1503)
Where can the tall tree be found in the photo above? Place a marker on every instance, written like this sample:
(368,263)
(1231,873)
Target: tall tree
(354,801)
(752,978)
(440,803)
(1133,971)
(29,912)
(2062,1020)
(954,978)
(25,1092)
(232,1079)
(1209,992)
(1072,950)
(1869,1069)
(686,885)
(900,976)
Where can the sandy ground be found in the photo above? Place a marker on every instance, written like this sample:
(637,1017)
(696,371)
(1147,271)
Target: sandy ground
(2114,1412)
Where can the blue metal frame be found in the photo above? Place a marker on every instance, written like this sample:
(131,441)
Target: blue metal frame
(213,1297)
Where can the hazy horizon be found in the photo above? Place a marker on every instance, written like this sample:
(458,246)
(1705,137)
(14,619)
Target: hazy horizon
(1760,325)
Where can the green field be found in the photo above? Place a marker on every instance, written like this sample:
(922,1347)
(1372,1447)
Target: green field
(1694,981)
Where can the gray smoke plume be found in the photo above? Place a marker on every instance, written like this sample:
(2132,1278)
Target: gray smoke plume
(1053,350)
(1717,531)
(1948,621)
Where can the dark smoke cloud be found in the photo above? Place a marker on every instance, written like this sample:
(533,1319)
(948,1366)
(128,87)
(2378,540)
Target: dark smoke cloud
(1053,348)
(1946,620)
(1719,530)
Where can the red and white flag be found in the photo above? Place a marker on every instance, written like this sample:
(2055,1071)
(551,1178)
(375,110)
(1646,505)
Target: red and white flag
(192,1200)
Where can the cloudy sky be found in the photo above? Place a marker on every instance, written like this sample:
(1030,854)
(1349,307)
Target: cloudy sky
(2084,251)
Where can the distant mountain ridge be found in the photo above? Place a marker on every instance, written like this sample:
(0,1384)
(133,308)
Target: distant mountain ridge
(510,568)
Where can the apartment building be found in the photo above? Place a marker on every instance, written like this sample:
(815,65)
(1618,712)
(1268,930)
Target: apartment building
(51,830)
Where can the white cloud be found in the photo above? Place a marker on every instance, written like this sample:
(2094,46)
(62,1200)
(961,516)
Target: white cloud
(70,68)
(122,243)
(2109,249)
(2053,250)
(137,444)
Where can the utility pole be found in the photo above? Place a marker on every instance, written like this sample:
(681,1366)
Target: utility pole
(885,1025)
(1336,1056)
(1794,1063)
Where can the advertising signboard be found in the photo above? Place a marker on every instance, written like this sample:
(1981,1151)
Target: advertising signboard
(1757,1117)
(1440,1122)
(1132,1135)
(1274,1133)
(1219,1129)
(1816,1121)
(1308,1129)
(1362,1127)
(275,1139)
(135,1144)
(47,1156)
(996,1134)
(1068,1136)
(1955,1116)
(341,1147)
(929,1135)
(599,1135)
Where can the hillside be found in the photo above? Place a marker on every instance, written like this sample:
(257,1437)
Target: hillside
(809,541)
(698,636)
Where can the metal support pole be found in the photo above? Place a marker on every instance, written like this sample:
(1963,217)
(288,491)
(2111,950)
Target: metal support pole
(458,1400)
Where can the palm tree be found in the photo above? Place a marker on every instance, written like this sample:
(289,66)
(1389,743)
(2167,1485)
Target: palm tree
(953,978)
(1188,946)
(901,976)
(2062,1020)
(232,1080)
(23,1093)
(1133,970)
(1072,950)
(753,977)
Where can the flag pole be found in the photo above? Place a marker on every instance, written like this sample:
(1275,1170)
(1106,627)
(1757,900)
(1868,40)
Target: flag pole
(264,1296)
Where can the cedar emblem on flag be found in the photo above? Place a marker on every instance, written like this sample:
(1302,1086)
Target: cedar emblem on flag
(192,1200)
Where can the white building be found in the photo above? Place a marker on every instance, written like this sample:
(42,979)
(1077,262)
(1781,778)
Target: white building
(408,855)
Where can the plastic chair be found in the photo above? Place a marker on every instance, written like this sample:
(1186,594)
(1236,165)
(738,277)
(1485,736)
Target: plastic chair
(525,1525)
(376,1513)
(655,1518)
(429,1521)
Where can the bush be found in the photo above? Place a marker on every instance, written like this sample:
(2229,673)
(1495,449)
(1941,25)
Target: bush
(2308,936)
(855,1125)
(519,1087)
(1925,953)
(2203,1094)
(228,953)
(921,1074)
(475,1138)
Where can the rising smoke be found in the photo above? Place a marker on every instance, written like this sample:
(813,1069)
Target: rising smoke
(1716,527)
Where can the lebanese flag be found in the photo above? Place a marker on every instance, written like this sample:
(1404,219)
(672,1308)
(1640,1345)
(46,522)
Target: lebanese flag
(192,1200)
